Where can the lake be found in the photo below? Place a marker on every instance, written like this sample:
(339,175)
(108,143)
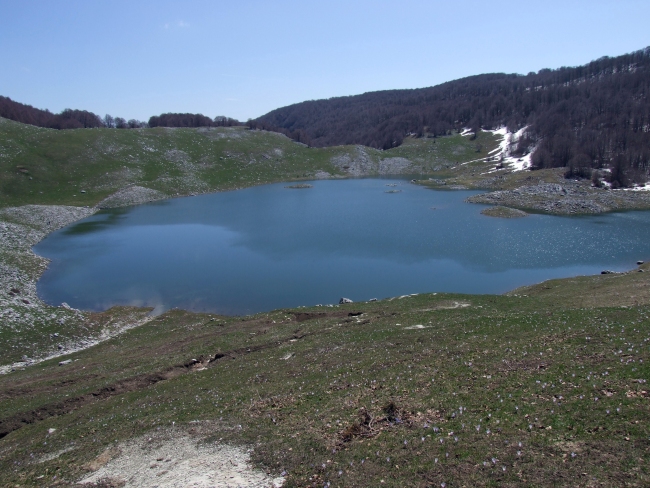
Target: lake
(270,247)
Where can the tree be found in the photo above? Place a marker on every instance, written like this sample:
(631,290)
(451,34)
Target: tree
(109,121)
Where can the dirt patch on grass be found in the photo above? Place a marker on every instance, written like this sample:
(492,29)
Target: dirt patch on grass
(176,459)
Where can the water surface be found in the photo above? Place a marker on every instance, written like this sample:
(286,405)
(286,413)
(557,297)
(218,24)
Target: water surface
(269,247)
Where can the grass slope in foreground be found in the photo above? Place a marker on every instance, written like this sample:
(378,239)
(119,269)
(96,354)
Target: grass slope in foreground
(543,387)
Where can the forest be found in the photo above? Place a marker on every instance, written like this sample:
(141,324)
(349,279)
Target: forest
(584,118)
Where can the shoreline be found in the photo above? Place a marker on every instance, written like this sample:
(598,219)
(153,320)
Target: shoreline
(71,330)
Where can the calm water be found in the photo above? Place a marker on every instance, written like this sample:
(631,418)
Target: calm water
(269,247)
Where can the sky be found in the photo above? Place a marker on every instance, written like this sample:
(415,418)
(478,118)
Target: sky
(244,58)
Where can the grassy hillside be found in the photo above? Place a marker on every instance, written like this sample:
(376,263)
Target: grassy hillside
(464,390)
(84,166)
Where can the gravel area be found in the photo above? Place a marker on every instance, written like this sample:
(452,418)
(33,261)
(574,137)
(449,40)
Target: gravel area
(567,199)
(175,459)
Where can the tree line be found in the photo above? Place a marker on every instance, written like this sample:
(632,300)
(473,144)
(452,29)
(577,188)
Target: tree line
(67,119)
(82,119)
(584,118)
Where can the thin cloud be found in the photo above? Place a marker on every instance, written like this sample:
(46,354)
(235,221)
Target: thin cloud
(181,24)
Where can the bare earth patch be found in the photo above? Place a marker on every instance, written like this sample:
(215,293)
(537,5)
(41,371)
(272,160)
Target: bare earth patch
(173,460)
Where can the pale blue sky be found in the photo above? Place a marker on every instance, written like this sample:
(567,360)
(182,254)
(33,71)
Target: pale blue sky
(243,58)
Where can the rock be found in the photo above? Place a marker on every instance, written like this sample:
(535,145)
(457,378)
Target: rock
(639,263)
(372,300)
(640,271)
(345,300)
(606,271)
(60,346)
(300,186)
(63,363)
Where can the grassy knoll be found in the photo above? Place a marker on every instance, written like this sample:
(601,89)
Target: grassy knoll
(418,391)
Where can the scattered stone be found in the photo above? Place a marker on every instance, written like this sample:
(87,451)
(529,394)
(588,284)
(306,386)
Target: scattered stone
(566,199)
(345,300)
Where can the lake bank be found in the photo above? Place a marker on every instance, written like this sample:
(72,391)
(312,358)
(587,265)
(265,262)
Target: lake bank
(31,327)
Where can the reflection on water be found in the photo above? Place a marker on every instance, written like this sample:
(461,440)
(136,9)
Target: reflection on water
(270,247)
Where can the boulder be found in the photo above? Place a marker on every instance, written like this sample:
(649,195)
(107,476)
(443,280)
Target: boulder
(345,300)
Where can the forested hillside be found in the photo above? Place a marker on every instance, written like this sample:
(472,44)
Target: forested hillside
(592,116)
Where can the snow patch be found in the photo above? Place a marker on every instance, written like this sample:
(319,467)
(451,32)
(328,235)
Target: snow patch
(504,150)
(644,187)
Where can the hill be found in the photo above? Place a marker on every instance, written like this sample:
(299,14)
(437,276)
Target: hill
(588,117)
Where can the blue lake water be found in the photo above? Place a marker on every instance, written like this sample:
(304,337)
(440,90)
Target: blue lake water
(270,247)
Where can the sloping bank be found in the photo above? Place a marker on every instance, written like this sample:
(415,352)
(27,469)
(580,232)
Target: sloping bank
(31,330)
